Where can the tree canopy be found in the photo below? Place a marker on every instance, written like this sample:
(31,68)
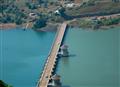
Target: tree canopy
(2,84)
(39,23)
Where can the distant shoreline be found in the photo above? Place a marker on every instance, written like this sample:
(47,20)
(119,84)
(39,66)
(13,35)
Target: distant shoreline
(49,26)
(100,28)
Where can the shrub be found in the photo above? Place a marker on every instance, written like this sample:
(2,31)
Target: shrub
(2,84)
(18,21)
(39,23)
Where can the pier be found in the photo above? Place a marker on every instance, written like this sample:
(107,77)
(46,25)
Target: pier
(52,58)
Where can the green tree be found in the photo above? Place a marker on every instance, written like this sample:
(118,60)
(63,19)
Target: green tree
(115,1)
(40,1)
(2,84)
(31,5)
(39,23)
(18,21)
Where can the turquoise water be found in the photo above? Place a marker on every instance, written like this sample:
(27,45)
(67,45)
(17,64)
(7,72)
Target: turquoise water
(94,60)
(23,54)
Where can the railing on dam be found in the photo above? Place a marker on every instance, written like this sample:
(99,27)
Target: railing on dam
(49,66)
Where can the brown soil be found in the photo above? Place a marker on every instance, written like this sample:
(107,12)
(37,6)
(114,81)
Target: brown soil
(8,26)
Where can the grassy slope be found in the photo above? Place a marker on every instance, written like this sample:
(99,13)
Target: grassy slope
(102,6)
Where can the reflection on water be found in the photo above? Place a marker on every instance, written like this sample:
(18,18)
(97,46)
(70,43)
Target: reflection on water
(65,60)
(96,60)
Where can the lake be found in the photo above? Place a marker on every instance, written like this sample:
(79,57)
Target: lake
(94,60)
(23,54)
(94,57)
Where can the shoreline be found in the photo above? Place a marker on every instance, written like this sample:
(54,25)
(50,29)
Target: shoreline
(51,27)
(10,26)
(100,28)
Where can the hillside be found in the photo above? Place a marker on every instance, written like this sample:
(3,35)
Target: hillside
(39,13)
(94,6)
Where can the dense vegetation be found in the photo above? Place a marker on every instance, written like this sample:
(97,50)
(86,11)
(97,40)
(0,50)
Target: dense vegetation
(2,84)
(95,24)
(39,23)
(18,11)
(11,13)
(109,21)
(98,7)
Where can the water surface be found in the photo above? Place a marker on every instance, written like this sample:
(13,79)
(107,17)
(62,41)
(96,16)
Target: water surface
(23,54)
(94,61)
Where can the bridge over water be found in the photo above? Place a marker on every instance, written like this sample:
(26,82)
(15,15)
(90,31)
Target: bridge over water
(52,58)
